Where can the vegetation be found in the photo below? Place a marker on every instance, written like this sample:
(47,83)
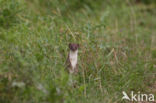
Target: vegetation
(117,50)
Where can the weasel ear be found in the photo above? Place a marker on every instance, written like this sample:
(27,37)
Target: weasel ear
(78,45)
(69,45)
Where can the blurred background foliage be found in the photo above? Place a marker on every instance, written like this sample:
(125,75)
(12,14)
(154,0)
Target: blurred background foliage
(117,40)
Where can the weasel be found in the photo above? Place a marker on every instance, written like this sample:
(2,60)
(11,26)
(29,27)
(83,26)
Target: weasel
(72,59)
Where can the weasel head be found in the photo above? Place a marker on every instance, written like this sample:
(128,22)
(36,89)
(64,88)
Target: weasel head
(73,46)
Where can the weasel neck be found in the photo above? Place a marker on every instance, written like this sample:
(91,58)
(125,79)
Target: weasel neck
(73,58)
(72,53)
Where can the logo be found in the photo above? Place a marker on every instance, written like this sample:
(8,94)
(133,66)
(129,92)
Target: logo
(138,97)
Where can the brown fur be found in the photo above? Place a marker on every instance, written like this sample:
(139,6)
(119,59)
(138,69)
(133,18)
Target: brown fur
(72,47)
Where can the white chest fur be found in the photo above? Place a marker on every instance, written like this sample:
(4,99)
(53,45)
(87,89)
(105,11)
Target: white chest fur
(73,58)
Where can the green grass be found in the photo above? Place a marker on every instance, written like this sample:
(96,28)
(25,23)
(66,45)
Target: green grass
(117,50)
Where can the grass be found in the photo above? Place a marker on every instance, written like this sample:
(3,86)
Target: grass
(117,50)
